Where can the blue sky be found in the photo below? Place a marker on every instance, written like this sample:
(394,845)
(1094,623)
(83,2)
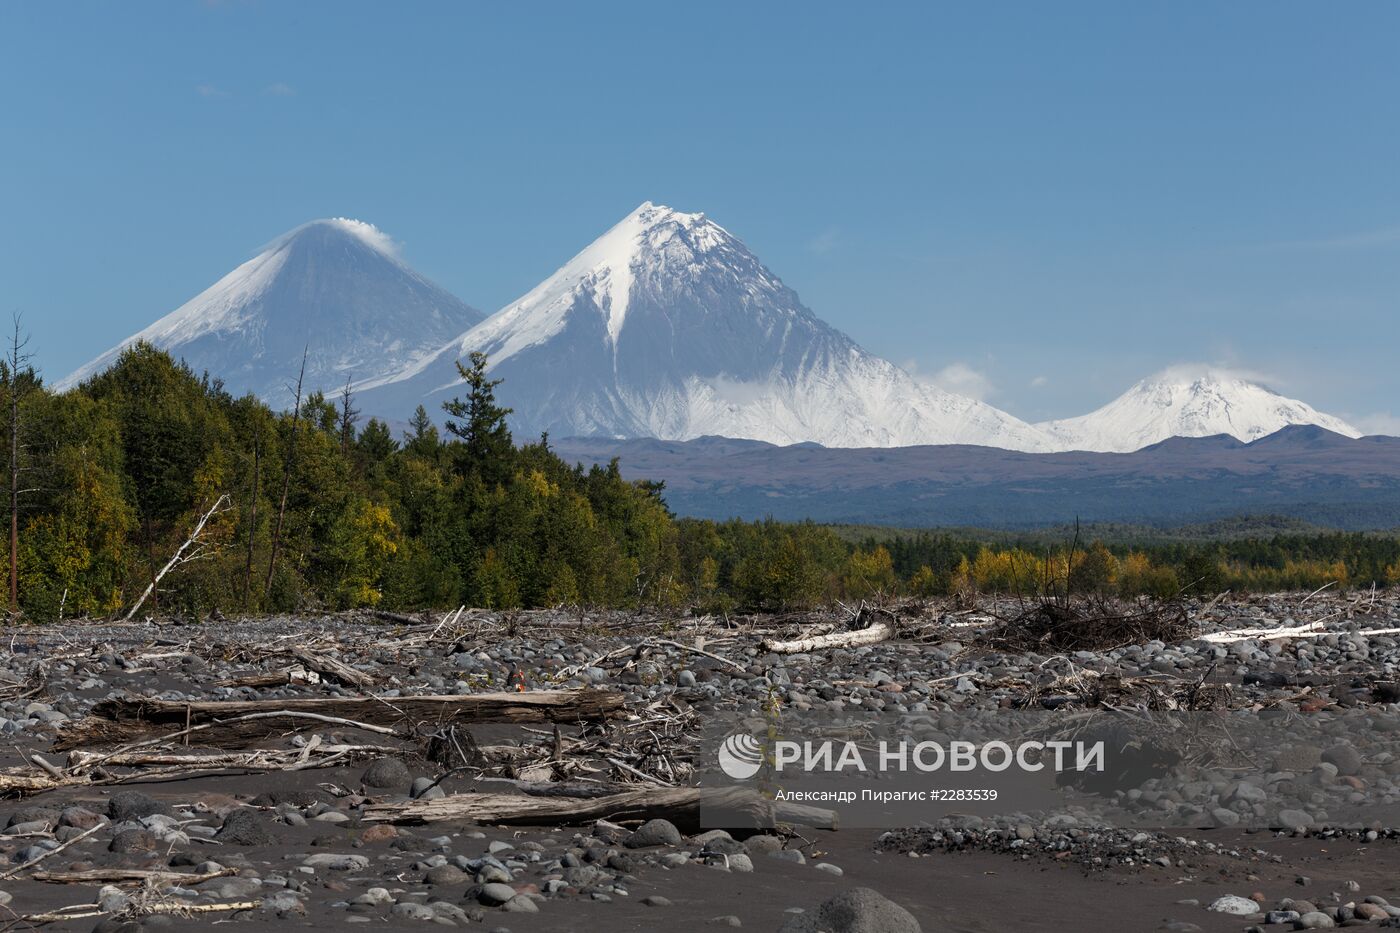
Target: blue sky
(1038,202)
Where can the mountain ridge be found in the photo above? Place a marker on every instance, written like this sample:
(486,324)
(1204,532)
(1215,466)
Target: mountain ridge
(666,325)
(1300,471)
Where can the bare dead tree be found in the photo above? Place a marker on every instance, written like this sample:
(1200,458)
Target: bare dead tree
(189,551)
(349,417)
(288,462)
(252,516)
(15,360)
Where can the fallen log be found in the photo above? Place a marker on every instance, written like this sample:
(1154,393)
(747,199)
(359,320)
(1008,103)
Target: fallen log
(579,790)
(86,911)
(129,876)
(880,631)
(86,769)
(274,679)
(329,667)
(691,809)
(22,785)
(233,723)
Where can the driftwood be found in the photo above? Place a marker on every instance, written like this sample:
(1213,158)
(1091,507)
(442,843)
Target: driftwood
(327,666)
(880,631)
(684,806)
(575,789)
(226,724)
(129,876)
(47,852)
(274,679)
(86,768)
(180,908)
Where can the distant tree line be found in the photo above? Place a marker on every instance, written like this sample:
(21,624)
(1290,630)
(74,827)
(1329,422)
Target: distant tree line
(936,563)
(312,509)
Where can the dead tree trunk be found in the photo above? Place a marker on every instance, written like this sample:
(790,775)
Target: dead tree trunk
(289,462)
(16,360)
(252,522)
(349,416)
(875,634)
(230,724)
(182,555)
(687,807)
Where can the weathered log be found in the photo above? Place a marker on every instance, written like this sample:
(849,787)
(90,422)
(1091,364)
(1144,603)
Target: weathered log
(84,911)
(575,789)
(273,679)
(129,876)
(691,809)
(398,617)
(22,785)
(233,723)
(880,631)
(86,768)
(327,666)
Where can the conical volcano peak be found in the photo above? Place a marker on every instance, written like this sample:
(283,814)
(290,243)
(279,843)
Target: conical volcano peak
(654,249)
(657,230)
(329,230)
(668,326)
(651,214)
(335,288)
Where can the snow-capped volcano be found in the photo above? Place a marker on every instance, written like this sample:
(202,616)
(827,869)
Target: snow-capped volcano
(667,326)
(1187,402)
(336,288)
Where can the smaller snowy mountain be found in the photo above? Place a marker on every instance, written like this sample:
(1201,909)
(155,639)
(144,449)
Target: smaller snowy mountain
(667,326)
(336,288)
(1187,402)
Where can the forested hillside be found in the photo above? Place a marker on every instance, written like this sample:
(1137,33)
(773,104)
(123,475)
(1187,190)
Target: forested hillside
(148,477)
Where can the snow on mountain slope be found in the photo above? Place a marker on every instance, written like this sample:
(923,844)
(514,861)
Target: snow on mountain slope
(1187,402)
(336,288)
(667,326)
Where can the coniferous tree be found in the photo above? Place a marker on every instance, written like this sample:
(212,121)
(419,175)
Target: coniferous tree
(480,423)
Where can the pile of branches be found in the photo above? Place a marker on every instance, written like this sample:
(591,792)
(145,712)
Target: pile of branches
(1060,624)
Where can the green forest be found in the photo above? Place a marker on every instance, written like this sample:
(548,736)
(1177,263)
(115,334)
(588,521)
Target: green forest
(152,488)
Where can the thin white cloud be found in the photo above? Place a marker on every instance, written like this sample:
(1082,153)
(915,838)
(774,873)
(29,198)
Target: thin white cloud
(824,242)
(1377,423)
(961,378)
(1040,382)
(1185,372)
(210,91)
(279,89)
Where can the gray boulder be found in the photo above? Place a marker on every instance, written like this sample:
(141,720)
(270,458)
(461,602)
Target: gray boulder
(654,833)
(859,910)
(386,773)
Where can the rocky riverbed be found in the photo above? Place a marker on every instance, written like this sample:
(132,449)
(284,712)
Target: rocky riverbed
(291,827)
